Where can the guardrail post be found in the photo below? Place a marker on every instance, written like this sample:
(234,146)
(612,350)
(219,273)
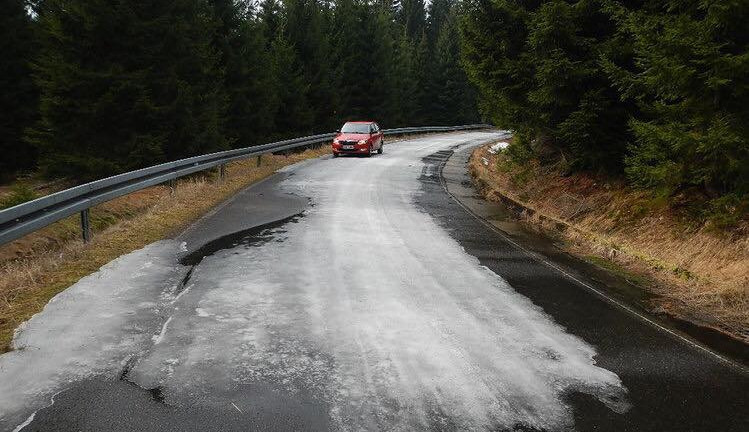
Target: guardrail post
(259,160)
(86,225)
(222,171)
(172,186)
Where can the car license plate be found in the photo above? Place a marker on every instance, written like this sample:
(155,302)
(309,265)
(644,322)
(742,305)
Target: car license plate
(348,147)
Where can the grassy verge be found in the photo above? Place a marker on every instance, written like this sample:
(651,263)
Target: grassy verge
(37,267)
(697,273)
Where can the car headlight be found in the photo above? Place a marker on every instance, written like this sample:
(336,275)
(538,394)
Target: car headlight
(362,141)
(335,141)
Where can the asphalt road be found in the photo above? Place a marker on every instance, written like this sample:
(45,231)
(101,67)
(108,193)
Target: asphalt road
(358,294)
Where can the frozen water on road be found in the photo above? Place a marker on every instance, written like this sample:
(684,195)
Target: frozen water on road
(368,304)
(364,303)
(89,329)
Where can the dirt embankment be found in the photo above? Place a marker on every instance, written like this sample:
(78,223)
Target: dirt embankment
(35,268)
(696,273)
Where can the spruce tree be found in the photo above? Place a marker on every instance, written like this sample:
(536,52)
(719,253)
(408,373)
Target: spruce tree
(496,58)
(437,13)
(455,97)
(307,27)
(573,94)
(126,84)
(294,116)
(412,15)
(427,83)
(18,94)
(691,79)
(248,82)
(363,49)
(403,88)
(539,68)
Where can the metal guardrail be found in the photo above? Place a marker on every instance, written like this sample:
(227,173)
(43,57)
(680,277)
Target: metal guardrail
(16,222)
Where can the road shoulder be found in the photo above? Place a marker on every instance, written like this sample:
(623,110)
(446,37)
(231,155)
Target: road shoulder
(617,288)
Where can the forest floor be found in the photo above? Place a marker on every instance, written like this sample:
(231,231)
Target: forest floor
(36,267)
(696,273)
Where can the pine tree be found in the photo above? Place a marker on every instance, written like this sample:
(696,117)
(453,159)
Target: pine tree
(438,13)
(294,115)
(308,29)
(271,16)
(403,88)
(455,96)
(363,48)
(427,83)
(494,51)
(691,79)
(539,68)
(574,95)
(248,82)
(126,84)
(412,15)
(18,94)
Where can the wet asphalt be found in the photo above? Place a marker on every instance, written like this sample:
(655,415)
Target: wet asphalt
(673,385)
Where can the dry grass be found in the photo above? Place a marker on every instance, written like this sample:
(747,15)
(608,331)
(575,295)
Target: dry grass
(35,268)
(698,273)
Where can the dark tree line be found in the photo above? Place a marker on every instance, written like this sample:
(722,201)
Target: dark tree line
(654,90)
(91,87)
(18,94)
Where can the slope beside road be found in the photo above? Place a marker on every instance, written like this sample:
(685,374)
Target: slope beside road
(353,293)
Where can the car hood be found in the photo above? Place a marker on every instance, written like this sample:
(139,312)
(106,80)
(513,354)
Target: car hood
(351,136)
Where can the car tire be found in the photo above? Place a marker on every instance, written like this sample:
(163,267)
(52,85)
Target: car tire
(335,154)
(379,150)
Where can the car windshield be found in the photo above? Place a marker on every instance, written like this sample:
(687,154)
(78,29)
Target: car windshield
(358,128)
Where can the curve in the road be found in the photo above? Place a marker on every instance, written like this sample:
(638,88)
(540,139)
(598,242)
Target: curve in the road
(386,306)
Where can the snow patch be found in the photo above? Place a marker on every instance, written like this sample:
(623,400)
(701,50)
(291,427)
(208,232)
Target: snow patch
(498,147)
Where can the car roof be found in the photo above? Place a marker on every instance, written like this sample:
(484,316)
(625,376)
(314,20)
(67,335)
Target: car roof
(360,121)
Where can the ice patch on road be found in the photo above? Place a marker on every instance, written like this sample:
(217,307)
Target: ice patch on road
(159,337)
(87,329)
(369,305)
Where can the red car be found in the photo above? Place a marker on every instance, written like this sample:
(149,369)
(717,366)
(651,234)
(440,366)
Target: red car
(358,137)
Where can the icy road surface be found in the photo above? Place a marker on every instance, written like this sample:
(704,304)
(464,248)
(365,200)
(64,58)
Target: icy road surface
(363,303)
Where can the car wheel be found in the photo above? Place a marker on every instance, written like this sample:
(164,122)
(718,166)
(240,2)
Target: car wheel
(379,150)
(335,154)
